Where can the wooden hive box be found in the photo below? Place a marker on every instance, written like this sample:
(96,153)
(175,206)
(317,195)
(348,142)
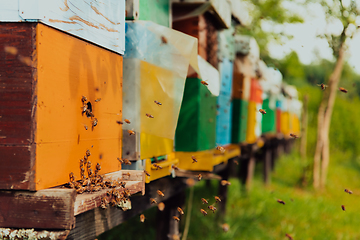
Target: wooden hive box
(268,123)
(157,11)
(239,120)
(44,74)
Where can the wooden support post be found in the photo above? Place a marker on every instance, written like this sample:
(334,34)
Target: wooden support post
(250,168)
(267,164)
(304,123)
(274,152)
(223,194)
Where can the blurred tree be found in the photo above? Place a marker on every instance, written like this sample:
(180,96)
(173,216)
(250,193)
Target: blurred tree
(292,69)
(344,12)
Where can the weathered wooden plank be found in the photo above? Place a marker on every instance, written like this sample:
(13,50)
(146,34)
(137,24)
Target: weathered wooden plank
(45,209)
(100,22)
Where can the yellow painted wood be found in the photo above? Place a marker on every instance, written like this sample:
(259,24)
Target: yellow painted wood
(231,151)
(67,69)
(251,123)
(295,124)
(159,173)
(205,160)
(285,123)
(153,146)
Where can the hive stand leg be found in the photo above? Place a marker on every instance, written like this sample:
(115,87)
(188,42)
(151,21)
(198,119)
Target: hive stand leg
(167,227)
(273,145)
(223,194)
(267,164)
(250,169)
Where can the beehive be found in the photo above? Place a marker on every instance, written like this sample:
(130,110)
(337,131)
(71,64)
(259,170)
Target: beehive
(254,116)
(239,120)
(157,11)
(268,123)
(44,74)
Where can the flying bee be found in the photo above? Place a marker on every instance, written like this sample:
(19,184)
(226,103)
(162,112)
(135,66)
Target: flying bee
(174,167)
(161,206)
(127,161)
(204,83)
(147,173)
(348,191)
(262,111)
(158,103)
(203,212)
(160,193)
(204,201)
(236,162)
(323,86)
(225,183)
(142,218)
(343,207)
(343,90)
(176,218)
(157,166)
(199,177)
(153,201)
(217,199)
(280,201)
(212,208)
(294,136)
(164,40)
(194,159)
(120,160)
(225,227)
(149,115)
(98,100)
(289,236)
(131,132)
(119,122)
(180,211)
(127,121)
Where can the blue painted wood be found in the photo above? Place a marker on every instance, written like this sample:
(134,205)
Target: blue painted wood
(101,22)
(223,120)
(226,74)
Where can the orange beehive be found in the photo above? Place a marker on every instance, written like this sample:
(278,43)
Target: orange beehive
(43,132)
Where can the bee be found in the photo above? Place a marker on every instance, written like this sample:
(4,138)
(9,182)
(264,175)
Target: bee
(289,237)
(71,176)
(204,83)
(203,212)
(157,166)
(343,90)
(104,202)
(119,122)
(98,100)
(80,190)
(262,111)
(147,173)
(127,174)
(323,86)
(127,121)
(343,207)
(281,201)
(85,158)
(86,127)
(161,206)
(221,149)
(83,99)
(176,218)
(348,191)
(194,159)
(174,167)
(84,109)
(94,123)
(225,183)
(199,177)
(98,166)
(89,113)
(217,199)
(153,201)
(120,160)
(236,162)
(180,211)
(294,136)
(88,153)
(204,201)
(131,132)
(212,208)
(160,193)
(164,40)
(89,164)
(149,115)
(225,227)
(158,103)
(127,161)
(123,184)
(142,218)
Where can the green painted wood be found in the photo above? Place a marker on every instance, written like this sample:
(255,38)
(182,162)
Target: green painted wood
(239,120)
(196,128)
(268,121)
(157,11)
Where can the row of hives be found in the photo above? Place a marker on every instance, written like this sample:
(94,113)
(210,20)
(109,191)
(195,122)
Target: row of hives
(75,76)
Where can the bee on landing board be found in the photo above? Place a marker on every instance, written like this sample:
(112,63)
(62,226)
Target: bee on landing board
(262,111)
(280,201)
(289,236)
(220,148)
(204,83)
(217,199)
(343,207)
(176,218)
(157,166)
(204,201)
(157,103)
(160,193)
(294,136)
(323,86)
(343,90)
(203,212)
(194,159)
(142,218)
(348,191)
(180,211)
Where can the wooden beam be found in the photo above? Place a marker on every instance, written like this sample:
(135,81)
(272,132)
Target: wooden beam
(44,209)
(267,164)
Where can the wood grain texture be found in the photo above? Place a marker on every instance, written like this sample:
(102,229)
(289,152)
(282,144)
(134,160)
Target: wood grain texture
(17,97)
(45,209)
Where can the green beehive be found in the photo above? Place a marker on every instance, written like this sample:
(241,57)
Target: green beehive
(197,120)
(157,11)
(269,119)
(239,120)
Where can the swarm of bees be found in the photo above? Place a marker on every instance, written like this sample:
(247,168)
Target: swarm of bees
(87,109)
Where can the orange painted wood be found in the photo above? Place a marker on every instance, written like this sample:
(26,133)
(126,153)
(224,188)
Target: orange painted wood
(57,71)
